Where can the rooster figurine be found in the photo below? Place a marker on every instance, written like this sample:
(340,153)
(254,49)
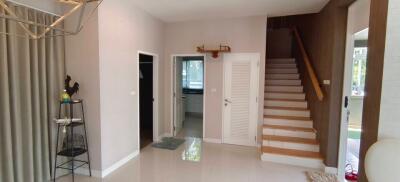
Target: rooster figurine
(71,90)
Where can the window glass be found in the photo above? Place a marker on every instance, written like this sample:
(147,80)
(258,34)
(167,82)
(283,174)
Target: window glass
(359,68)
(192,74)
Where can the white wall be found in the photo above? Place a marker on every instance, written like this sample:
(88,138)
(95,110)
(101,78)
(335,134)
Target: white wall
(356,107)
(389,121)
(103,59)
(246,34)
(123,31)
(82,64)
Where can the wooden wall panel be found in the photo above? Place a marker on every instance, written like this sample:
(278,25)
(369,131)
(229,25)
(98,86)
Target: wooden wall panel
(281,43)
(373,80)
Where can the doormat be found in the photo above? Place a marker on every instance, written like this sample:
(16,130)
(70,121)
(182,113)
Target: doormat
(316,176)
(169,143)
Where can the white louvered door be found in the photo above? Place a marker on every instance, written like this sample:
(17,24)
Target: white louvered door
(240,98)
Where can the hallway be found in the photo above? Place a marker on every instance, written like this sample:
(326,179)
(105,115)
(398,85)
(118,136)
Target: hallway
(192,127)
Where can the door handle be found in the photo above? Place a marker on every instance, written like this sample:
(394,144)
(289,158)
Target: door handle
(228,101)
(346,102)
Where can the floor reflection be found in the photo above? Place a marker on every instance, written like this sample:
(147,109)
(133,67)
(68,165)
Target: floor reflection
(192,150)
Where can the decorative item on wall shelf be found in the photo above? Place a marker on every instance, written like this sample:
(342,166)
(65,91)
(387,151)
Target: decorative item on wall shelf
(214,52)
(83,9)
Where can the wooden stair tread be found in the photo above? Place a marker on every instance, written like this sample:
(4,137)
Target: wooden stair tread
(278,84)
(291,128)
(282,74)
(291,152)
(289,85)
(288,117)
(280,66)
(286,108)
(274,92)
(290,139)
(281,79)
(286,100)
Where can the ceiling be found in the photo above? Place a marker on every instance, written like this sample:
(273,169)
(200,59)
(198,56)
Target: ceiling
(184,10)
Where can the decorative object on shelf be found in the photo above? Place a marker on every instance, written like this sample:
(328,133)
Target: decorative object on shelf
(70,7)
(70,90)
(214,52)
(72,144)
(65,96)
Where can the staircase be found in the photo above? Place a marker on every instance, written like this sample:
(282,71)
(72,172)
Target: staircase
(288,133)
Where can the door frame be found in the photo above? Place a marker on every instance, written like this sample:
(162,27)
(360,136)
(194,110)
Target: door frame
(155,94)
(257,95)
(346,91)
(173,74)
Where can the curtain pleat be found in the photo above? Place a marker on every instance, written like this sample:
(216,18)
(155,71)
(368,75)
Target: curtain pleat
(31,79)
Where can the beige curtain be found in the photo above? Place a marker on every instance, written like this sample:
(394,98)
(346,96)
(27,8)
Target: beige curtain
(31,78)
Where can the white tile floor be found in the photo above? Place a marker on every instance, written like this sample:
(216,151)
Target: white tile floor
(195,161)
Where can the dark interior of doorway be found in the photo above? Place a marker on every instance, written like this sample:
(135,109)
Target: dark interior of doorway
(146,99)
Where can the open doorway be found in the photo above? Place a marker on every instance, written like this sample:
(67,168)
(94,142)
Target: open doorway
(146,99)
(355,100)
(188,96)
(353,90)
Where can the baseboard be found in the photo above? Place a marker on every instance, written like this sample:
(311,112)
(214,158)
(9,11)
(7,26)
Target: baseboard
(212,140)
(330,170)
(118,164)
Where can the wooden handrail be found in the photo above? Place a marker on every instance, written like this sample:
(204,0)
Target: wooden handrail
(310,70)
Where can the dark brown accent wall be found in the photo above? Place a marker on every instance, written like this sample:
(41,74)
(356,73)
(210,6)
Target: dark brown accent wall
(281,43)
(373,80)
(324,36)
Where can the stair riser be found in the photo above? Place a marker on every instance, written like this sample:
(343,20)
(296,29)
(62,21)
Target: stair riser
(281,71)
(281,61)
(291,160)
(289,133)
(284,96)
(273,103)
(284,89)
(290,145)
(278,112)
(283,82)
(282,76)
(287,122)
(281,66)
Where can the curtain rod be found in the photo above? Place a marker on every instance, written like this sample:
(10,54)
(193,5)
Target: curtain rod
(35,8)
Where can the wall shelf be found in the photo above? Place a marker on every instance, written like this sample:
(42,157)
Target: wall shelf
(214,52)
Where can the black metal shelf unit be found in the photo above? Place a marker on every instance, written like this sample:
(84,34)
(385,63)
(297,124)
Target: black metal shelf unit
(70,150)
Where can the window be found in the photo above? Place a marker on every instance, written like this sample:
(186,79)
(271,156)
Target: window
(192,75)
(359,68)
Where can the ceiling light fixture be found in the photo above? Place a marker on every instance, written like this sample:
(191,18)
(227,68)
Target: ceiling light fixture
(78,7)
